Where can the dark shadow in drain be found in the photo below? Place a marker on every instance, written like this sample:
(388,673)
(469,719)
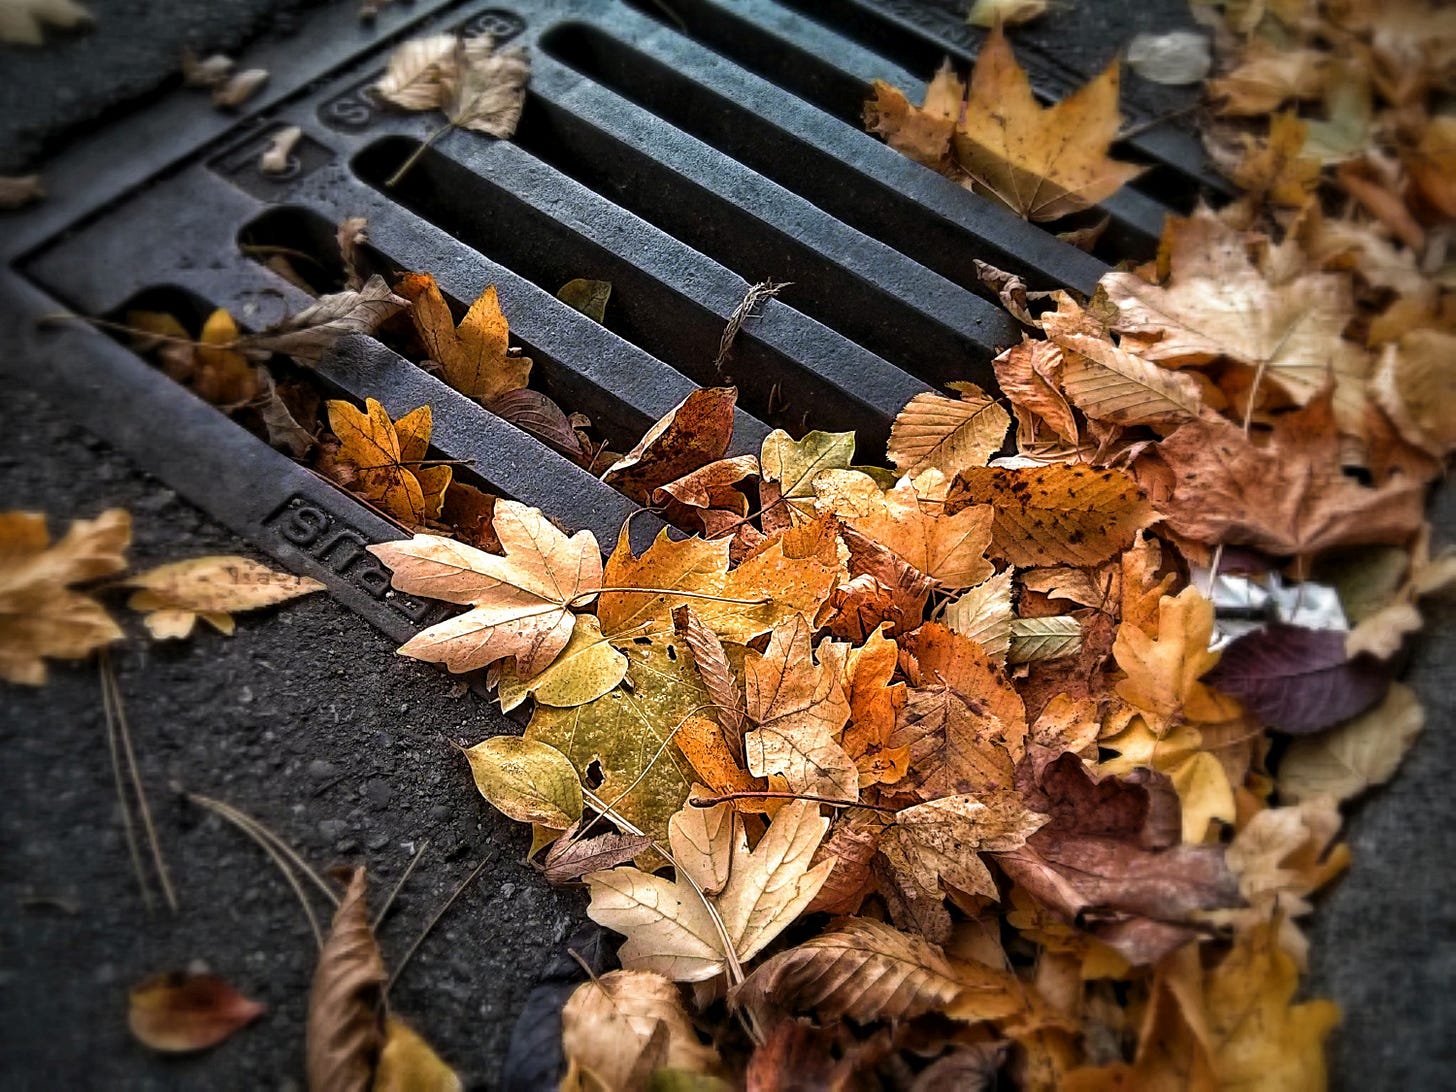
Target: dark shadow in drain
(643,310)
(837,92)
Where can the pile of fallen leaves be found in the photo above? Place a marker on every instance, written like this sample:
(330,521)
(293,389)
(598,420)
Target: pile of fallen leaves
(1021,760)
(1025,763)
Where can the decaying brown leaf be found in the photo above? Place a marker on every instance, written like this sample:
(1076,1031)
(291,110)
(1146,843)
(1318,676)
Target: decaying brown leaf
(345,1028)
(694,432)
(617,1029)
(181,1012)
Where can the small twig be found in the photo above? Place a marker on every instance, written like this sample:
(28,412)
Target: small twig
(249,825)
(760,601)
(253,830)
(127,826)
(769,794)
(755,295)
(394,891)
(430,925)
(143,808)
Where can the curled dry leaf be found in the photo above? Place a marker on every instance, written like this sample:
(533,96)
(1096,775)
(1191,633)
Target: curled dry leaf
(309,335)
(520,602)
(990,13)
(713,668)
(209,71)
(23,22)
(181,1012)
(530,781)
(345,1027)
(617,1029)
(17,191)
(693,433)
(276,156)
(212,588)
(571,858)
(41,616)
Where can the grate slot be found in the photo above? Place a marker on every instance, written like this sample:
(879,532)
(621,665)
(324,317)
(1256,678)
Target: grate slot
(819,65)
(869,293)
(864,202)
(644,310)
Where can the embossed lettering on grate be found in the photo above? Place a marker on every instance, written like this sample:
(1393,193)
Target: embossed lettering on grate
(682,151)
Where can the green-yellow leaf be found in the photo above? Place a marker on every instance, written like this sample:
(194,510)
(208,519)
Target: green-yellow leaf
(527,780)
(587,296)
(1348,759)
(792,465)
(585,669)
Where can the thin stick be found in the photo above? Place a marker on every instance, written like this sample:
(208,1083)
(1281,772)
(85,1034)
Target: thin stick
(760,601)
(143,808)
(133,848)
(239,820)
(123,328)
(253,826)
(753,794)
(430,925)
(388,902)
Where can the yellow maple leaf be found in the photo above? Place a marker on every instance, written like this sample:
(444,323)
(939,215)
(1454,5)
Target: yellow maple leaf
(387,455)
(474,357)
(1163,670)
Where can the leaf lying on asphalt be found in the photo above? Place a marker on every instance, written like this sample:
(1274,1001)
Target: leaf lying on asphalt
(24,21)
(180,1012)
(174,596)
(41,616)
(529,781)
(345,1025)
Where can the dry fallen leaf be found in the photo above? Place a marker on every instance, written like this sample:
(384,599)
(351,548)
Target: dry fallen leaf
(617,1029)
(693,433)
(181,1012)
(485,90)
(1351,757)
(17,191)
(409,1064)
(474,357)
(1041,162)
(948,434)
(239,87)
(414,78)
(521,603)
(670,927)
(527,780)
(176,595)
(387,459)
(990,13)
(310,334)
(345,1027)
(1177,57)
(40,615)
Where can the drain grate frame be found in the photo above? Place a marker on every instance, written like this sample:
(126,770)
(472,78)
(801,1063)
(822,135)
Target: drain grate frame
(645,153)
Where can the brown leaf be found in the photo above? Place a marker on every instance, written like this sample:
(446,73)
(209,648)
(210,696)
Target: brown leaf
(713,668)
(853,842)
(414,78)
(692,434)
(570,859)
(710,491)
(1041,162)
(942,839)
(475,357)
(874,703)
(1288,497)
(484,90)
(1111,856)
(17,191)
(471,514)
(947,434)
(1055,515)
(181,1012)
(1029,374)
(863,969)
(345,1030)
(611,1023)
(535,413)
(798,708)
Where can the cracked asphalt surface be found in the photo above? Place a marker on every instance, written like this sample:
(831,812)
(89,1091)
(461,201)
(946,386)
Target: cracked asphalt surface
(308,720)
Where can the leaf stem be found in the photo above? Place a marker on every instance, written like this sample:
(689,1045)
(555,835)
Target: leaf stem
(771,794)
(760,601)
(127,823)
(414,156)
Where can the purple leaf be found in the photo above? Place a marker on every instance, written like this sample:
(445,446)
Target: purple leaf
(1299,680)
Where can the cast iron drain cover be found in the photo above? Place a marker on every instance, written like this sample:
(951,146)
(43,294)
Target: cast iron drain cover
(682,152)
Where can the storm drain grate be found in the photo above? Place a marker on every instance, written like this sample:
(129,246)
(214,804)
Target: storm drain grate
(680,151)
